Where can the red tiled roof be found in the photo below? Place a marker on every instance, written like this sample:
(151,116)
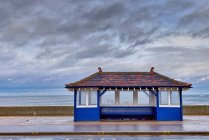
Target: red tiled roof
(127,79)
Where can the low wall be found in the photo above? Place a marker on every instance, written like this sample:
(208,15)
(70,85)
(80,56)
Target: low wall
(68,110)
(37,111)
(196,110)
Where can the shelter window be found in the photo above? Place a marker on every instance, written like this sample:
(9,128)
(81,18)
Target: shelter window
(93,98)
(164,98)
(86,99)
(175,100)
(108,98)
(169,98)
(145,98)
(126,98)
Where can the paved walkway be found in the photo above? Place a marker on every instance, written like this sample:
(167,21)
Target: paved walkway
(197,125)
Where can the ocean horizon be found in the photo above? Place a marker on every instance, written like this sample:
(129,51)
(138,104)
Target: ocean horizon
(63,97)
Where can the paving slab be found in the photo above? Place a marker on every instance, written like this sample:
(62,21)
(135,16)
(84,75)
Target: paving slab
(197,125)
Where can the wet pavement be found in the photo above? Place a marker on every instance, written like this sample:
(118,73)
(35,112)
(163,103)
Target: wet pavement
(66,124)
(104,138)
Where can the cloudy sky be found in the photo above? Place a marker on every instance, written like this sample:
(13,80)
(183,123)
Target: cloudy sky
(47,43)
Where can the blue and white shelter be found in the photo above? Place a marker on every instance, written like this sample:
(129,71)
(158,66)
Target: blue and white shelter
(128,95)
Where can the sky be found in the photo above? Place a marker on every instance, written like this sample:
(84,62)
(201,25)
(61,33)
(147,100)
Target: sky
(48,43)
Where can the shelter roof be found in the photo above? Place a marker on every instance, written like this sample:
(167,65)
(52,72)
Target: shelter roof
(127,79)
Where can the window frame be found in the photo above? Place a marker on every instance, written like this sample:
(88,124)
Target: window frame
(87,101)
(169,92)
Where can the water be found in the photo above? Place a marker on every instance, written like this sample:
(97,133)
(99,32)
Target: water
(196,96)
(63,97)
(36,97)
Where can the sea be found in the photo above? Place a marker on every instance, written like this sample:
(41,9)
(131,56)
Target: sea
(63,97)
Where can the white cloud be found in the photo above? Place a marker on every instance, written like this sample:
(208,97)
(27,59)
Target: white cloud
(186,41)
(53,42)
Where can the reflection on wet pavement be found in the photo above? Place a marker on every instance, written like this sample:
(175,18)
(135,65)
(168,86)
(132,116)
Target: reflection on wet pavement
(66,124)
(105,138)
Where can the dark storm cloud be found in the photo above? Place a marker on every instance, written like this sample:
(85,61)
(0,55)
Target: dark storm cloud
(197,17)
(45,41)
(203,33)
(105,12)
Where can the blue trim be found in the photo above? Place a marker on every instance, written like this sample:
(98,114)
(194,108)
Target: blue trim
(75,95)
(157,104)
(152,92)
(103,92)
(169,114)
(144,112)
(98,103)
(79,98)
(87,114)
(181,103)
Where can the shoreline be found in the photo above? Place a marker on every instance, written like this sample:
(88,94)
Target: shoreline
(68,110)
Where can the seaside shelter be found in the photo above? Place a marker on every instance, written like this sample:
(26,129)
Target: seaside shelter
(128,95)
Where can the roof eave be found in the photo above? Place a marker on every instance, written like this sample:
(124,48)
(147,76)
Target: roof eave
(127,86)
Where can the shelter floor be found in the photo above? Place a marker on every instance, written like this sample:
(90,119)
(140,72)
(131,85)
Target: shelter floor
(66,124)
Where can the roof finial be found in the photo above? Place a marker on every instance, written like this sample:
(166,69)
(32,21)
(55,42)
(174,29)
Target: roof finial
(99,69)
(152,70)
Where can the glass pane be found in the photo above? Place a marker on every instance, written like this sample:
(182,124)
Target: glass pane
(143,98)
(81,98)
(175,98)
(108,98)
(93,98)
(126,98)
(164,97)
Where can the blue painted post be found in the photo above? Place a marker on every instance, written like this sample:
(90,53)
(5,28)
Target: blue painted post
(157,104)
(181,104)
(98,102)
(75,96)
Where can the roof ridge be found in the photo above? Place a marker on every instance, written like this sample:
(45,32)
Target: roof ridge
(176,81)
(124,72)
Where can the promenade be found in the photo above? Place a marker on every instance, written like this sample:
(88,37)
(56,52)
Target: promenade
(192,125)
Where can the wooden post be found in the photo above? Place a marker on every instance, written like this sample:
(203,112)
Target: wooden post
(98,98)
(135,97)
(75,96)
(98,104)
(79,98)
(117,97)
(181,103)
(157,104)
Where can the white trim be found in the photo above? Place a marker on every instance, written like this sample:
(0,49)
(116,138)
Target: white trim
(87,98)
(169,105)
(169,97)
(89,106)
